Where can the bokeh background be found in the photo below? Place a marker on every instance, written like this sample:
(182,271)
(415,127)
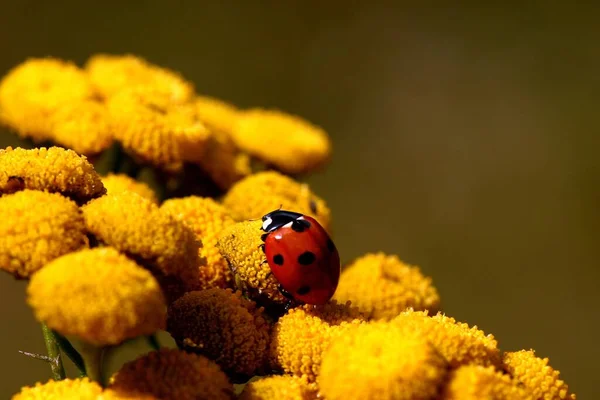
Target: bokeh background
(465,141)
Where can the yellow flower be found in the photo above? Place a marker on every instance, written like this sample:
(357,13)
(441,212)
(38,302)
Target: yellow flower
(263,192)
(475,382)
(137,227)
(536,375)
(240,244)
(299,338)
(382,286)
(82,126)
(170,374)
(280,387)
(153,129)
(217,114)
(119,183)
(458,343)
(223,326)
(290,143)
(52,170)
(32,91)
(36,228)
(207,219)
(98,295)
(66,389)
(377,361)
(111,73)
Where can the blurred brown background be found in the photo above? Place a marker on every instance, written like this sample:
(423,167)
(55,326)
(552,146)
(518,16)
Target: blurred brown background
(465,142)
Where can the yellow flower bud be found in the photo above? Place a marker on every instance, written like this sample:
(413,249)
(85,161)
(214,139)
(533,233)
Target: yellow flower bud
(66,389)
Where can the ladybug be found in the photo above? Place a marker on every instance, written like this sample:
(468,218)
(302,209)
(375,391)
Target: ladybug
(302,257)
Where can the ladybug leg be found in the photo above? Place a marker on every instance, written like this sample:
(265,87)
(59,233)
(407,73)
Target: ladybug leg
(285,293)
(262,247)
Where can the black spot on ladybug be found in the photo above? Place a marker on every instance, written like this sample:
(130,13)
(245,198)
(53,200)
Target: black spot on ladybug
(300,225)
(303,290)
(313,206)
(263,237)
(330,245)
(278,259)
(306,258)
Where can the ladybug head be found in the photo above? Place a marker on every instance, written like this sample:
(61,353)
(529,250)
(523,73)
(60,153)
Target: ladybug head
(278,218)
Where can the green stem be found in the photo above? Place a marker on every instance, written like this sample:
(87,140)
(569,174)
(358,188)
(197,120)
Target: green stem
(72,353)
(56,365)
(93,358)
(153,342)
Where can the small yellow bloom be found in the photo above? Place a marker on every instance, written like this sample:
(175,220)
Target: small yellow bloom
(157,240)
(382,286)
(240,245)
(82,126)
(536,375)
(155,130)
(222,326)
(32,91)
(458,343)
(299,338)
(217,114)
(280,387)
(52,170)
(36,228)
(207,219)
(263,192)
(475,382)
(170,374)
(290,143)
(119,183)
(98,295)
(66,389)
(377,361)
(111,73)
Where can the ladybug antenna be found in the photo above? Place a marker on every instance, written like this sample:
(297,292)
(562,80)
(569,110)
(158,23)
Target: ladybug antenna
(280,207)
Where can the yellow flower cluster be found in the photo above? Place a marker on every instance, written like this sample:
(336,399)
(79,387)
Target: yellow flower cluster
(67,389)
(281,387)
(118,183)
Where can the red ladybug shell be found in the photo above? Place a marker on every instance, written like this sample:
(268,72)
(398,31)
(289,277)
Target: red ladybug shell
(304,261)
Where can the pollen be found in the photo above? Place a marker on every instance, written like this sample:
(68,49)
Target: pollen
(223,326)
(36,228)
(475,382)
(280,387)
(52,170)
(119,183)
(65,295)
(207,219)
(288,142)
(382,286)
(66,389)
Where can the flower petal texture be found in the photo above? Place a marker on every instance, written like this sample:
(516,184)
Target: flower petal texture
(377,361)
(207,219)
(288,142)
(98,295)
(281,387)
(300,337)
(51,169)
(475,382)
(536,375)
(170,374)
(66,389)
(154,238)
(118,183)
(36,228)
(382,286)
(223,326)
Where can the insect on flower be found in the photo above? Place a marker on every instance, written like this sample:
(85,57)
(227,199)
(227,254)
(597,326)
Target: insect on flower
(301,255)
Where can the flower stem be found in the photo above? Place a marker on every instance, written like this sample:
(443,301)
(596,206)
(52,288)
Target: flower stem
(56,365)
(93,358)
(72,353)
(153,342)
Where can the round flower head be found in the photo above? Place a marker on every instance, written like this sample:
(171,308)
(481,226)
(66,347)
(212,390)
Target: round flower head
(263,192)
(475,382)
(281,387)
(52,170)
(66,389)
(207,219)
(382,286)
(458,343)
(222,326)
(380,362)
(119,183)
(98,295)
(137,227)
(82,126)
(240,244)
(299,338)
(33,90)
(217,114)
(36,228)
(170,374)
(536,375)
(288,142)
(111,73)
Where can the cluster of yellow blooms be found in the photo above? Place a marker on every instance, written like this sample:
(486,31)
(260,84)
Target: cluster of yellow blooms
(108,260)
